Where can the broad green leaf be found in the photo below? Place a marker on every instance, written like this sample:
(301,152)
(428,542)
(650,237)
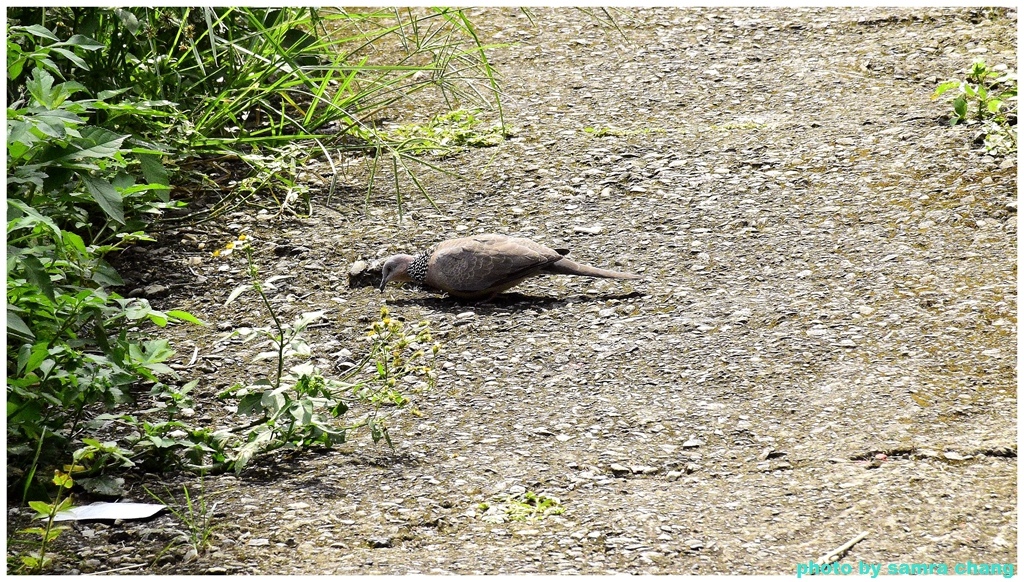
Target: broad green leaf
(75,59)
(104,274)
(83,42)
(184,316)
(274,400)
(339,409)
(943,87)
(960,108)
(17,327)
(250,404)
(37,218)
(108,94)
(36,30)
(128,20)
(154,171)
(106,485)
(38,276)
(96,143)
(29,357)
(41,508)
(40,87)
(108,198)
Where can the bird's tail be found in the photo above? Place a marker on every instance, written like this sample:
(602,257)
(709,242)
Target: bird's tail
(570,267)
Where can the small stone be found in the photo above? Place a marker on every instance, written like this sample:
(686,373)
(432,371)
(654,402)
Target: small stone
(694,544)
(156,290)
(255,542)
(643,469)
(357,267)
(618,469)
(692,443)
(299,505)
(380,542)
(596,229)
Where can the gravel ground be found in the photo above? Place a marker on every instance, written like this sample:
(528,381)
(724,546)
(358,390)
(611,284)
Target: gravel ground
(824,342)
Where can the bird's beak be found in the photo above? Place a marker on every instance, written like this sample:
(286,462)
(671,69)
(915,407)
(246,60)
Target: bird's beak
(383,283)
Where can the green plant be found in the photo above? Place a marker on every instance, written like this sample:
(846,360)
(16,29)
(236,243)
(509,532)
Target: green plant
(195,515)
(991,92)
(447,134)
(299,407)
(77,193)
(522,507)
(35,561)
(242,79)
(618,132)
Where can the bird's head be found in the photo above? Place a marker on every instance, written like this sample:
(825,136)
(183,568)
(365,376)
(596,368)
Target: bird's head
(396,268)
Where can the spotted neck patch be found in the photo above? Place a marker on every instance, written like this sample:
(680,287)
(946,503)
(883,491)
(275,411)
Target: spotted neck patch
(418,268)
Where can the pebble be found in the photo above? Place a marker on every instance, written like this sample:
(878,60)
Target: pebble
(380,542)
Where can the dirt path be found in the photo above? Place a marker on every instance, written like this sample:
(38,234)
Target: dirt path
(825,342)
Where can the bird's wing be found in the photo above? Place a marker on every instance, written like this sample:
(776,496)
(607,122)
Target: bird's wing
(481,263)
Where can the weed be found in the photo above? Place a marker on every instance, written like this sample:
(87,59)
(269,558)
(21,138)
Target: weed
(298,407)
(991,92)
(448,134)
(35,561)
(619,132)
(523,507)
(195,514)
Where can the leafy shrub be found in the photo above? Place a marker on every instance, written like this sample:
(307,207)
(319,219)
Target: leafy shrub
(77,192)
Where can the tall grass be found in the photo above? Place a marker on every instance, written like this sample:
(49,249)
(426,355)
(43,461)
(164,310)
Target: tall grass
(115,117)
(247,81)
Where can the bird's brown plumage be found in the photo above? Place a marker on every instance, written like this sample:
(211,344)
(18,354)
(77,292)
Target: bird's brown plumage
(485,265)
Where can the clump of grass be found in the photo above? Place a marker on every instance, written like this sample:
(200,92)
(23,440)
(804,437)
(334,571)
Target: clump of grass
(527,506)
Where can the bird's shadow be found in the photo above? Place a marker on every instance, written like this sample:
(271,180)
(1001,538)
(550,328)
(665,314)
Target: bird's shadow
(504,301)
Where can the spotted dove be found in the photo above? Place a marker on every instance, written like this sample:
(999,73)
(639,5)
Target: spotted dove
(484,265)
